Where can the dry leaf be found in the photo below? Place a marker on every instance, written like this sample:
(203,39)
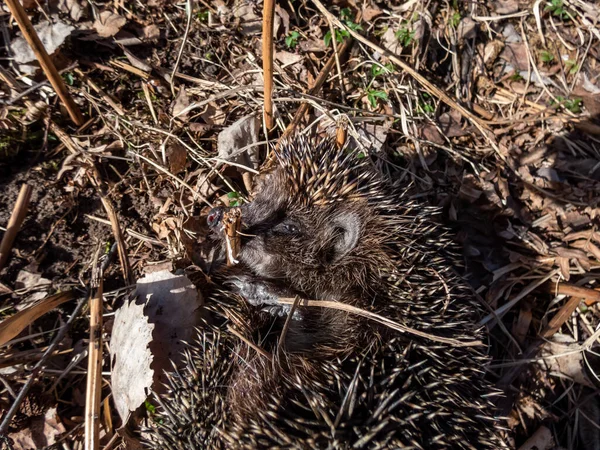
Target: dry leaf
(506,6)
(51,34)
(74,8)
(540,440)
(564,356)
(177,155)
(46,429)
(240,134)
(148,332)
(179,105)
(370,11)
(11,327)
(108,23)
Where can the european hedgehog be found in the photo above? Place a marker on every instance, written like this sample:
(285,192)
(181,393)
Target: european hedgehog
(325,225)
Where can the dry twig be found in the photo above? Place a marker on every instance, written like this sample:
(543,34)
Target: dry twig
(14,224)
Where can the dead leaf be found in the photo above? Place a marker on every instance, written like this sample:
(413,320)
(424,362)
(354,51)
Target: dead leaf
(11,327)
(282,17)
(370,11)
(177,155)
(74,8)
(467,29)
(46,429)
(240,134)
(213,114)
(287,58)
(563,355)
(108,23)
(540,440)
(148,332)
(179,105)
(516,54)
(430,132)
(151,32)
(506,6)
(491,51)
(51,34)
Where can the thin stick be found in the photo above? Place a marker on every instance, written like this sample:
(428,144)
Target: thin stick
(380,319)
(94,374)
(188,11)
(42,56)
(38,368)
(267,50)
(14,223)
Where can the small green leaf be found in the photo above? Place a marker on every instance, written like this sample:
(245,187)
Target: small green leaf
(150,407)
(372,96)
(202,15)
(346,14)
(546,56)
(405,35)
(327,38)
(291,40)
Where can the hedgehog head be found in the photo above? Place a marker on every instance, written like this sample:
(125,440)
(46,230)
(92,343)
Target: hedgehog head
(314,221)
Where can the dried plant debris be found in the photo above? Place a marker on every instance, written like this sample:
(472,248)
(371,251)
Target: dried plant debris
(148,332)
(500,129)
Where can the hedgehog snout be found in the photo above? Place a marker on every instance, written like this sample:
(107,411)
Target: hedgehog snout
(214,216)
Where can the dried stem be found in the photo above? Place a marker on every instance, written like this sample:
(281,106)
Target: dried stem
(42,56)
(14,224)
(94,374)
(267,48)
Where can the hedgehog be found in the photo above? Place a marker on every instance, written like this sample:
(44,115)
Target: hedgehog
(324,224)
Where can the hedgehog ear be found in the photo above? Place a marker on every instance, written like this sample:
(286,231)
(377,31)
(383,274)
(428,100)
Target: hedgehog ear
(345,232)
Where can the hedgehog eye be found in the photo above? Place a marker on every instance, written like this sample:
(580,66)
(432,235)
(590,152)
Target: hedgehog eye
(286,228)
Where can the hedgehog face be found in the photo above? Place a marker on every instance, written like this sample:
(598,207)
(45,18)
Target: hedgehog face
(311,221)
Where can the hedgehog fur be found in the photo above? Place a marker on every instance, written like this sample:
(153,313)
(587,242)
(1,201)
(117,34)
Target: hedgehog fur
(325,225)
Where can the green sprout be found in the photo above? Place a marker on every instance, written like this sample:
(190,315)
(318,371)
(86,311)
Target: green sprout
(202,15)
(234,199)
(546,56)
(573,105)
(556,8)
(455,19)
(405,35)
(374,95)
(340,35)
(291,40)
(572,66)
(377,69)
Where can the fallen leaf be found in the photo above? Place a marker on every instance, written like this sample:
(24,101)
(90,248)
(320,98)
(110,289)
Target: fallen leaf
(467,29)
(108,23)
(179,105)
(46,429)
(506,6)
(370,11)
(177,155)
(148,333)
(51,34)
(564,356)
(11,327)
(540,440)
(151,32)
(242,133)
(74,8)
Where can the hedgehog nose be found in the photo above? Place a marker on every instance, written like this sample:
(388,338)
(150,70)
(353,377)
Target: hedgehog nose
(214,216)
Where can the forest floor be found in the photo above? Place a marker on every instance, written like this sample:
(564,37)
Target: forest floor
(496,121)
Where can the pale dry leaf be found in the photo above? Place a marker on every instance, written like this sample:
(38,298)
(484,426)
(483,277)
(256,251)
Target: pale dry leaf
(108,23)
(563,356)
(148,333)
(46,429)
(506,6)
(51,34)
(242,133)
(287,58)
(151,32)
(373,136)
(179,105)
(370,11)
(74,8)
(282,18)
(540,440)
